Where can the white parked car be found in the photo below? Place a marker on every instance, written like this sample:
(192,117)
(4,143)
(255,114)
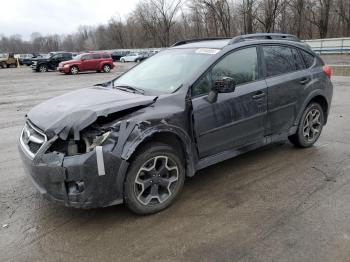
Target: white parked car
(132,57)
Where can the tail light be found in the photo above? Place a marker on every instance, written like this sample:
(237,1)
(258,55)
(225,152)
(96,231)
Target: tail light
(327,70)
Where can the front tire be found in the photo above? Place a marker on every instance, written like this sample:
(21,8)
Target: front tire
(74,70)
(154,180)
(310,126)
(43,68)
(122,60)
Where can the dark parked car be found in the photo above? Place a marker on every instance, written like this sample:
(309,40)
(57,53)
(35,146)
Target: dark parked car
(135,139)
(100,62)
(50,62)
(25,59)
(116,55)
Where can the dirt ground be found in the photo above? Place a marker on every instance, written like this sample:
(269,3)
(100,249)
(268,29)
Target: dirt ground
(277,203)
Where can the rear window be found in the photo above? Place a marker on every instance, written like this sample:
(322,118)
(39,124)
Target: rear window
(96,56)
(279,60)
(309,59)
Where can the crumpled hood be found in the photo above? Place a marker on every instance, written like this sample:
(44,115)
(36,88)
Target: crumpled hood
(76,110)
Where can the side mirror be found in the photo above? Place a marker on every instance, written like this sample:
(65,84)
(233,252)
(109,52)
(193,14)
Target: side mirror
(222,85)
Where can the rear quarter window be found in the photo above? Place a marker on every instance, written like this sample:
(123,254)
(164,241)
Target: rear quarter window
(309,59)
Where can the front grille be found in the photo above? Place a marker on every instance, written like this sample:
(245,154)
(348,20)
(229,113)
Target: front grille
(32,139)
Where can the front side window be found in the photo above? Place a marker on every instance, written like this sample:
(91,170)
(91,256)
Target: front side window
(279,60)
(86,57)
(241,65)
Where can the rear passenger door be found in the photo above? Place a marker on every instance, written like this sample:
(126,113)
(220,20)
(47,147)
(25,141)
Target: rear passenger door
(286,77)
(96,62)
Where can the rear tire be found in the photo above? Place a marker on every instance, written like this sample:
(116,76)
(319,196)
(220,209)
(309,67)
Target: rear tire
(310,126)
(106,68)
(3,65)
(154,180)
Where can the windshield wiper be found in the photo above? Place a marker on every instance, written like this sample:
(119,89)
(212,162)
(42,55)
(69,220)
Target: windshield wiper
(130,88)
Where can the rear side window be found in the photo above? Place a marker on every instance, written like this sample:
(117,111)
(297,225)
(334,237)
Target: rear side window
(96,56)
(106,56)
(309,59)
(279,60)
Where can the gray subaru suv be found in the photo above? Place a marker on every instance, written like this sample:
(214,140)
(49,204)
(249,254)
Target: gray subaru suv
(134,139)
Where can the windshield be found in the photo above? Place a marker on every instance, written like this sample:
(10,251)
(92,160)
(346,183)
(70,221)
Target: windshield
(166,71)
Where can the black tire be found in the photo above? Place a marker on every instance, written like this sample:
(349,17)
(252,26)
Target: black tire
(300,138)
(3,65)
(155,156)
(74,70)
(122,60)
(106,68)
(138,61)
(43,68)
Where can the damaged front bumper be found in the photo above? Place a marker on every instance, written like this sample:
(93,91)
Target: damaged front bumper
(83,181)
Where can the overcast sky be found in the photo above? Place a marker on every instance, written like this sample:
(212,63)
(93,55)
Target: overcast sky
(58,16)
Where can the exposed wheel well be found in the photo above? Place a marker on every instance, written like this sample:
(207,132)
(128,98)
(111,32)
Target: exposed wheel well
(168,138)
(323,103)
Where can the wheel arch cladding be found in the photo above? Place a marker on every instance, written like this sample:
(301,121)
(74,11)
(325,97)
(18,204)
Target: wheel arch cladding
(170,136)
(321,100)
(316,96)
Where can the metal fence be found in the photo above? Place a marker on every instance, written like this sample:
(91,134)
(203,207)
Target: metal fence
(330,45)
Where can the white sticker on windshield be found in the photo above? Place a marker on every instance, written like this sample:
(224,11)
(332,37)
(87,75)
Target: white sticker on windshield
(208,51)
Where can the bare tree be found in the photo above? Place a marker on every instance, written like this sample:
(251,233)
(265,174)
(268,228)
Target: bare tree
(320,14)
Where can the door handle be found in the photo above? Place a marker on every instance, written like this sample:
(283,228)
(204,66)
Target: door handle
(304,81)
(258,95)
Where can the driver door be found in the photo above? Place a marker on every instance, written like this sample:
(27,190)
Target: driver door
(54,61)
(238,118)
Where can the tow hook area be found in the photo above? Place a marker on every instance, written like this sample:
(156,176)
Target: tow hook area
(75,187)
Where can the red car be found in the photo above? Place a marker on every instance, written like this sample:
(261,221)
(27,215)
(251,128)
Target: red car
(87,62)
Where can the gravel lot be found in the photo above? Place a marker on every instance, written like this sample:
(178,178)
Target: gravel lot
(278,203)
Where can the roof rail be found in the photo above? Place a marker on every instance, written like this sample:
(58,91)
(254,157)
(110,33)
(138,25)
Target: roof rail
(275,36)
(188,41)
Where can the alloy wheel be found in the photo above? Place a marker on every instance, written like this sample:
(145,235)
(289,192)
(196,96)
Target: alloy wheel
(156,180)
(42,69)
(74,70)
(106,69)
(312,125)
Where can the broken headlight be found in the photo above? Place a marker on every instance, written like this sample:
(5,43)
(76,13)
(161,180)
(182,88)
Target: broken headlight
(97,141)
(89,140)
